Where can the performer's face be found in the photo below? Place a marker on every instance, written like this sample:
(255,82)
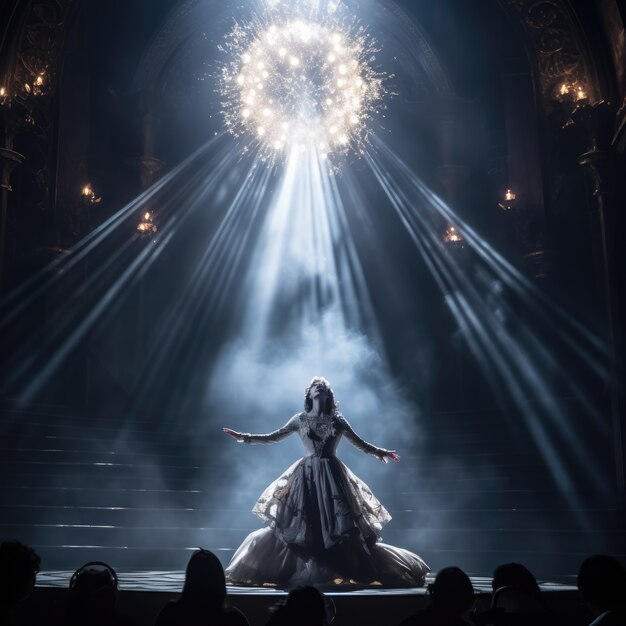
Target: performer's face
(318,390)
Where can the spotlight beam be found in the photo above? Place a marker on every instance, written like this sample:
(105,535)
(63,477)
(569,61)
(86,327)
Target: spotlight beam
(72,324)
(55,270)
(493,347)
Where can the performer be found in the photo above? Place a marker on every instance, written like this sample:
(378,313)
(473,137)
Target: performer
(324,522)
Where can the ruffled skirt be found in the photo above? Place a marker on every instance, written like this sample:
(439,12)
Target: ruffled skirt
(324,529)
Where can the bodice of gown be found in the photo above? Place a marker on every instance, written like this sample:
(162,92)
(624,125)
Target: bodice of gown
(320,435)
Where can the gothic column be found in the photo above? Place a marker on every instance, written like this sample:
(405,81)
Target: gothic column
(8,160)
(607,220)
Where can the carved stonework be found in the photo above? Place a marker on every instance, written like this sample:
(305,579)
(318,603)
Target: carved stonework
(557,46)
(34,85)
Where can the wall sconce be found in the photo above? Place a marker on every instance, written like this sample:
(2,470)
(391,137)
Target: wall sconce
(571,93)
(88,195)
(509,201)
(147,227)
(38,86)
(592,122)
(452,237)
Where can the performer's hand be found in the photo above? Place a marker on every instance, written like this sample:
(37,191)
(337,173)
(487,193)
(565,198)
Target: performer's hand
(232,433)
(391,454)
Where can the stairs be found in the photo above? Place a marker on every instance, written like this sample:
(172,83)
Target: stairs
(133,495)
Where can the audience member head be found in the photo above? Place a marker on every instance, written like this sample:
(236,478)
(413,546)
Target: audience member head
(517,576)
(305,605)
(205,584)
(92,594)
(452,591)
(19,565)
(602,582)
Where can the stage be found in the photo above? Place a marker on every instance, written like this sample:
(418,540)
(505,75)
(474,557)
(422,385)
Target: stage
(357,230)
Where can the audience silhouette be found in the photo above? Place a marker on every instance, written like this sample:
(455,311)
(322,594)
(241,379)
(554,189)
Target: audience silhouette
(452,596)
(92,597)
(602,583)
(516,599)
(19,565)
(305,606)
(203,596)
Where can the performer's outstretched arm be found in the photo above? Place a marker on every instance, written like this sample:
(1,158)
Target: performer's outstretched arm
(277,435)
(380,453)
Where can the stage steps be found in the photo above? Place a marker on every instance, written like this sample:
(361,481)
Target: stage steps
(132,493)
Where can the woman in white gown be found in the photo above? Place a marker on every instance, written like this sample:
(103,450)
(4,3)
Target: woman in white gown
(324,523)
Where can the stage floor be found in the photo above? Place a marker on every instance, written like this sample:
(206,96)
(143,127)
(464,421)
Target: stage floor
(172,582)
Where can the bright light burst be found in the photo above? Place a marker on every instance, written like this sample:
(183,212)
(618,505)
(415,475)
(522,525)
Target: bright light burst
(300,83)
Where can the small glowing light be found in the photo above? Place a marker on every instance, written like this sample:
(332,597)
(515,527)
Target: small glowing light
(241,79)
(294,61)
(508,201)
(329,101)
(282,52)
(452,236)
(332,58)
(89,195)
(261,131)
(343,69)
(245,113)
(39,80)
(571,91)
(147,227)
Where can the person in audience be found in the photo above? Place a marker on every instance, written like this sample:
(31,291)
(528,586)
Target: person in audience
(452,596)
(516,599)
(92,597)
(19,566)
(305,606)
(517,576)
(602,584)
(203,596)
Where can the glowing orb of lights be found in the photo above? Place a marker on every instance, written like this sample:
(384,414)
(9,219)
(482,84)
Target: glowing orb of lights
(298,84)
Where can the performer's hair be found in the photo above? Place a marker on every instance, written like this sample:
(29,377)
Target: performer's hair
(331,405)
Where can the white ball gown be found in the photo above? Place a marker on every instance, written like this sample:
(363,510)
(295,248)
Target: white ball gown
(323,523)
